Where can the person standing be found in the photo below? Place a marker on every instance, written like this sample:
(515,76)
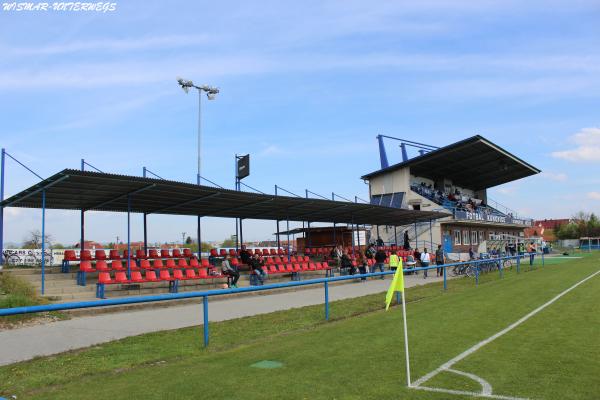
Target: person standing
(380,257)
(394,261)
(531,251)
(440,259)
(229,271)
(406,241)
(425,260)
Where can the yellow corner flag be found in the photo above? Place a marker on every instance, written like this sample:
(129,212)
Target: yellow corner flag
(396,286)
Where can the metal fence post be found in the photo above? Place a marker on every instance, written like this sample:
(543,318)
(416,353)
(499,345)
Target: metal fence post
(398,298)
(326,301)
(543,263)
(43,241)
(445,280)
(518,264)
(476,275)
(205,310)
(500,269)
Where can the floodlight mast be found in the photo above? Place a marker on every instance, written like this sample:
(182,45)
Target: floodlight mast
(211,93)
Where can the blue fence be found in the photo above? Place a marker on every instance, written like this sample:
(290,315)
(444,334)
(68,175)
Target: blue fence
(220,292)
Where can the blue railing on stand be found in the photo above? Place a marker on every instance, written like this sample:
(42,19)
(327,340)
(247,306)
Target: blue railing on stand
(220,292)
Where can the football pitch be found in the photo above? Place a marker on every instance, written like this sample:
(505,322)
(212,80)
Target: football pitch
(532,335)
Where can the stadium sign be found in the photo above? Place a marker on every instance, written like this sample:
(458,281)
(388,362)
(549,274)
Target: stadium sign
(500,219)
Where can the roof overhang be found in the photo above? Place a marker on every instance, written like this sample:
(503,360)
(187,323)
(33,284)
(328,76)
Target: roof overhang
(86,190)
(474,163)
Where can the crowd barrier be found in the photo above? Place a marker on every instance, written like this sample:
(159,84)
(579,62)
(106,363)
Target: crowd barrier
(220,292)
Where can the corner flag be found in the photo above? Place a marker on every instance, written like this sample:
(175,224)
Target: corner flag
(396,286)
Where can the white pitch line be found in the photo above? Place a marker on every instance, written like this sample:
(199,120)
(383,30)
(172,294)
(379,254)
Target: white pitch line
(464,393)
(486,388)
(509,328)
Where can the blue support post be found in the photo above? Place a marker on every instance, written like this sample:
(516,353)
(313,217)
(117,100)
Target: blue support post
(128,236)
(288,240)
(518,264)
(43,241)
(82,233)
(145,234)
(326,301)
(205,318)
(398,298)
(199,233)
(543,263)
(445,279)
(278,239)
(500,269)
(2,164)
(382,154)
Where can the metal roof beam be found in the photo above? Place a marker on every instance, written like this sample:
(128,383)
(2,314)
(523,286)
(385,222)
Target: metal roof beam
(184,203)
(119,197)
(62,178)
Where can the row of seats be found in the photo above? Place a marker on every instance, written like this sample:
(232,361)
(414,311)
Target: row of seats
(121,265)
(295,267)
(326,251)
(260,252)
(86,255)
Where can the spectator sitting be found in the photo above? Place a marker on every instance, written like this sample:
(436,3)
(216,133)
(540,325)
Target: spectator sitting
(256,264)
(362,267)
(370,252)
(346,263)
(231,272)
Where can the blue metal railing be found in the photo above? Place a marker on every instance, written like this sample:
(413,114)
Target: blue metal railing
(220,292)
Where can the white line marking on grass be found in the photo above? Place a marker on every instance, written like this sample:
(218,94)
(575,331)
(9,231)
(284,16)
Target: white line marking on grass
(486,388)
(464,393)
(447,366)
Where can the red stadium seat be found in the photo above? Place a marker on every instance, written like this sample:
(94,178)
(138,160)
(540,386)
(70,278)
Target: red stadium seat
(312,267)
(280,251)
(256,251)
(265,269)
(266,252)
(117,265)
(269,261)
(136,276)
(204,263)
(325,265)
(281,268)
(100,255)
(297,267)
(178,274)
(319,266)
(114,255)
(165,275)
(182,263)
(151,276)
(203,273)
(222,252)
(293,259)
(145,264)
(170,263)
(276,259)
(289,268)
(194,263)
(273,269)
(232,253)
(85,255)
(213,252)
(307,250)
(234,262)
(140,254)
(101,266)
(273,252)
(132,265)
(190,274)
(104,277)
(125,253)
(306,259)
(164,253)
(70,255)
(176,253)
(304,266)
(153,253)
(86,266)
(187,252)
(121,277)
(157,263)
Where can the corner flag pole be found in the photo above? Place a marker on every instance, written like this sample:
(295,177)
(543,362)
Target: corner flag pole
(406,340)
(397,285)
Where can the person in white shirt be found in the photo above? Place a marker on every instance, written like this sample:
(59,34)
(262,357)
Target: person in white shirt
(425,260)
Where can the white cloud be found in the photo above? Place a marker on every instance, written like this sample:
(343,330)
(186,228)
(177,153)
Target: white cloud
(594,195)
(558,177)
(588,147)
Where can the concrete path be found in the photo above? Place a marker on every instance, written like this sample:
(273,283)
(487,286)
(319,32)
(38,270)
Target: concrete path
(56,337)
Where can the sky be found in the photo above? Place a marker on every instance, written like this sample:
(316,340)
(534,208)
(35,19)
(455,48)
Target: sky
(305,87)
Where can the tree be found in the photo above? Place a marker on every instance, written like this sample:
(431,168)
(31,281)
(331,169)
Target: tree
(229,242)
(189,240)
(34,240)
(58,246)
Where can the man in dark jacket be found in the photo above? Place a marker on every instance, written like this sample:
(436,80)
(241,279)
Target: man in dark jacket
(380,257)
(245,256)
(256,264)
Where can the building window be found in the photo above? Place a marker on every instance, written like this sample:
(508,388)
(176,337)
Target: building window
(490,235)
(457,237)
(466,237)
(473,237)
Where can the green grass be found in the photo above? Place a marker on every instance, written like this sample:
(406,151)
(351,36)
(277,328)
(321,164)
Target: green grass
(16,292)
(358,355)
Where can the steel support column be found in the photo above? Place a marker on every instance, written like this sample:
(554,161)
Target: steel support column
(278,241)
(396,236)
(2,165)
(82,233)
(416,238)
(199,233)
(43,241)
(145,234)
(241,234)
(288,239)
(430,236)
(129,236)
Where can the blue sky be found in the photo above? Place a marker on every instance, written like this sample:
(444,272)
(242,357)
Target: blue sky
(305,88)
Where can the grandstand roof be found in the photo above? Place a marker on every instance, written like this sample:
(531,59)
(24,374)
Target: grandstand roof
(86,190)
(474,163)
